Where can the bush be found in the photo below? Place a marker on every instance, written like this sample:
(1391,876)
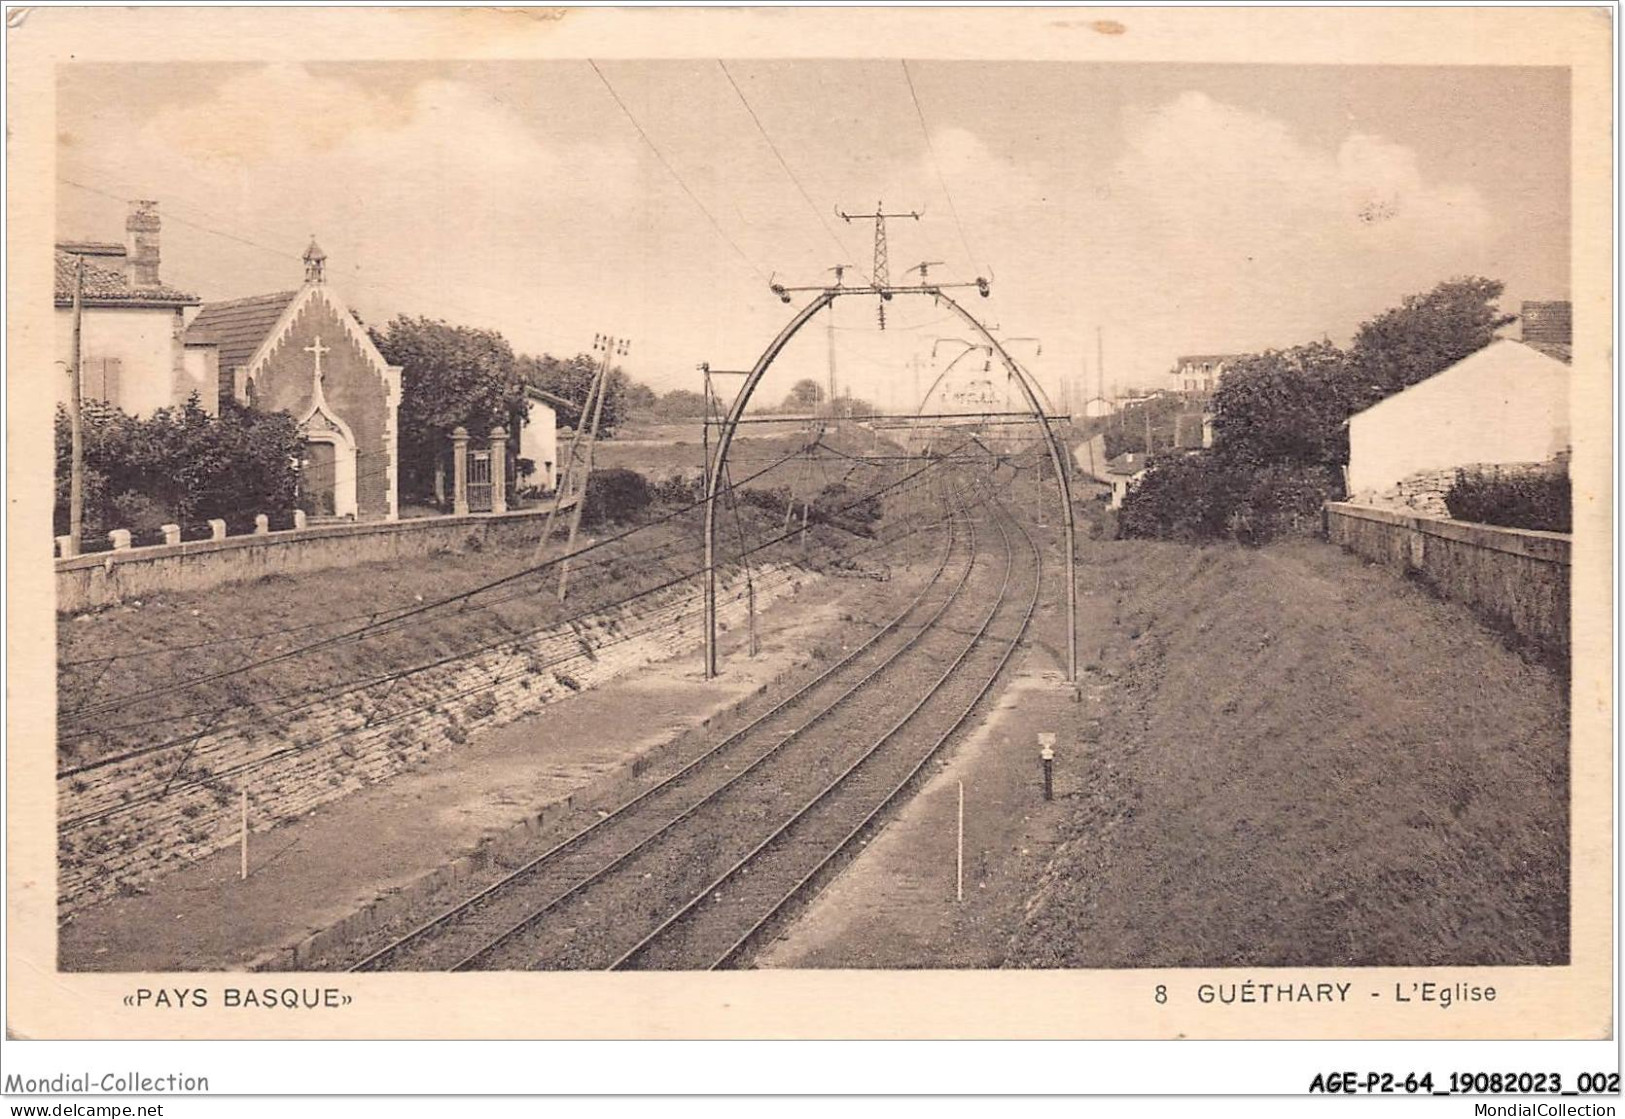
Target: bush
(615,495)
(180,466)
(836,506)
(1190,498)
(1204,497)
(1540,501)
(678,490)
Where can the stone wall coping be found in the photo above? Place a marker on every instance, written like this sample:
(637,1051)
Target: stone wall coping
(1548,547)
(290,536)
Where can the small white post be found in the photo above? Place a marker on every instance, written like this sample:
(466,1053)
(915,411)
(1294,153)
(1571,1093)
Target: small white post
(244,868)
(959,874)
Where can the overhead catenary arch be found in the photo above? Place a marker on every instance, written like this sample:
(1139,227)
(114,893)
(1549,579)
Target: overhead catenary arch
(970,348)
(1030,390)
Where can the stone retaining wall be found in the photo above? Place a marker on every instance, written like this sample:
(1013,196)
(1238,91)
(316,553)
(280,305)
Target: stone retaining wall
(1423,493)
(105,578)
(1518,579)
(122,823)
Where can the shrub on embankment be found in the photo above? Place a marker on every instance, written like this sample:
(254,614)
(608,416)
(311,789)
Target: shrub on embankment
(1204,497)
(1541,501)
(615,495)
(1280,420)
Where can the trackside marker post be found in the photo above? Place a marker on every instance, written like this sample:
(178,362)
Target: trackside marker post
(1046,752)
(244,802)
(959,871)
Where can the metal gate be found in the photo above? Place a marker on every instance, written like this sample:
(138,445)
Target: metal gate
(479,481)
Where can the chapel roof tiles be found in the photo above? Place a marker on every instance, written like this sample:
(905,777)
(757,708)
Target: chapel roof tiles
(239,325)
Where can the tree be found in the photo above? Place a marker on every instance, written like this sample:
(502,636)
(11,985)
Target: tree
(853,406)
(572,379)
(680,404)
(1425,334)
(639,397)
(805,396)
(1284,406)
(451,376)
(1280,419)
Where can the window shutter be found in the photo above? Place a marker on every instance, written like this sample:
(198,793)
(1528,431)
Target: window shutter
(112,375)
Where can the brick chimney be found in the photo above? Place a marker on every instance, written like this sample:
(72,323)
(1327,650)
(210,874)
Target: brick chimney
(1549,323)
(141,244)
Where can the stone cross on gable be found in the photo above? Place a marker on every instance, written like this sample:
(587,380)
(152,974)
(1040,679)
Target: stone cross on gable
(317,349)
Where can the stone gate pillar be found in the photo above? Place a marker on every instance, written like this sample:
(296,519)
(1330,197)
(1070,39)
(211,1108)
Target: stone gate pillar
(459,471)
(499,469)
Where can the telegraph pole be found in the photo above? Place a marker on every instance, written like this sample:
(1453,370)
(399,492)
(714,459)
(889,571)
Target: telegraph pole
(76,477)
(611,349)
(567,476)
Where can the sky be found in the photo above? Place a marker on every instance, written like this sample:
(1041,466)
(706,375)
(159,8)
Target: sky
(1126,213)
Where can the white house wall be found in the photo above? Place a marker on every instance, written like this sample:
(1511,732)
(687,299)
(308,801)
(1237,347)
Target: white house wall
(153,372)
(1505,404)
(539,442)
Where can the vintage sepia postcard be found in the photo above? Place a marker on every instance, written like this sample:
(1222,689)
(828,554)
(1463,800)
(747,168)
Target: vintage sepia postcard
(790,523)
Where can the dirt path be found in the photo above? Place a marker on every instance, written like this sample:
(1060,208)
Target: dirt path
(1281,757)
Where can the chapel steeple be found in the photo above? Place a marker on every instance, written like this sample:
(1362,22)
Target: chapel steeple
(315,263)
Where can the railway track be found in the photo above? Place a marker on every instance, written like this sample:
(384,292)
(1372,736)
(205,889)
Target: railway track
(766,795)
(736,912)
(448,940)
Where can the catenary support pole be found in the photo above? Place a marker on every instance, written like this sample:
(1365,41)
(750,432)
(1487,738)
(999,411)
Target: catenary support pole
(1036,402)
(1068,521)
(720,456)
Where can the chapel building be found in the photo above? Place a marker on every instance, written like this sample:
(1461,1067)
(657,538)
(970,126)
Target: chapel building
(304,352)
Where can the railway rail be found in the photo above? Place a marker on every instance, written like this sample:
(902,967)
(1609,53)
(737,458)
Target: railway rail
(447,940)
(788,792)
(720,926)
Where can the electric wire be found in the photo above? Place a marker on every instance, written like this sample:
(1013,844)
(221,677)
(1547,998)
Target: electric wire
(664,162)
(92,817)
(935,162)
(314,695)
(774,148)
(414,611)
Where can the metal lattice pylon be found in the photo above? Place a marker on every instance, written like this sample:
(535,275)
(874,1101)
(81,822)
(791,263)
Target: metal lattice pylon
(882,273)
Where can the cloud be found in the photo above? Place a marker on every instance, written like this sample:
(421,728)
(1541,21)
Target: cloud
(421,195)
(1218,228)
(1205,227)
(1219,192)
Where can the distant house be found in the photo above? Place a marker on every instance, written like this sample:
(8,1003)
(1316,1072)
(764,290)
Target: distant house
(133,348)
(1198,374)
(305,353)
(538,436)
(1098,407)
(1125,472)
(1507,404)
